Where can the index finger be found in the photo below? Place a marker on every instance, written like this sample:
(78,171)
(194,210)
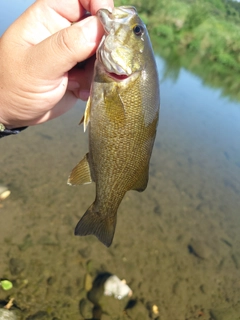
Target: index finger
(94,5)
(74,10)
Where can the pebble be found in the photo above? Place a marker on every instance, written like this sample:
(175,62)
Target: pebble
(7,315)
(88,282)
(85,252)
(138,312)
(225,313)
(95,294)
(40,315)
(51,280)
(105,305)
(236,260)
(89,266)
(113,286)
(112,306)
(85,307)
(4,192)
(199,248)
(16,266)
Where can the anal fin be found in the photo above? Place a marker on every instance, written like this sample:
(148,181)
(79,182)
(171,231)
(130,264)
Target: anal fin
(141,183)
(81,174)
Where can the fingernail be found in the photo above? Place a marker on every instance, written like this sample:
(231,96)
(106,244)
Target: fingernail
(84,94)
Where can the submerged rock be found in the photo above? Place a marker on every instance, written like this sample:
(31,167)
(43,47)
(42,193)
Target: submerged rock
(16,266)
(109,296)
(40,315)
(117,288)
(8,315)
(85,307)
(226,313)
(4,192)
(138,311)
(200,249)
(88,282)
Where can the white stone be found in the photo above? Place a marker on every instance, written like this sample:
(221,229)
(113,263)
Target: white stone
(116,287)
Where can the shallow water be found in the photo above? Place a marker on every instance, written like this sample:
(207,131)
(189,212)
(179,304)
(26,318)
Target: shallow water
(177,244)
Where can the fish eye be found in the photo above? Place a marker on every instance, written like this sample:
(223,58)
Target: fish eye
(138,30)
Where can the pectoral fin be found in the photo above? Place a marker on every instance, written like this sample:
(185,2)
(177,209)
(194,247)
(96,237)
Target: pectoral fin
(86,117)
(81,174)
(115,109)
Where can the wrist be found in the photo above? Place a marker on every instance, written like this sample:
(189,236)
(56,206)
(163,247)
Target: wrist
(7,132)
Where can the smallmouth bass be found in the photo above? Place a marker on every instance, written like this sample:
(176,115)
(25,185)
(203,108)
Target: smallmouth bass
(122,115)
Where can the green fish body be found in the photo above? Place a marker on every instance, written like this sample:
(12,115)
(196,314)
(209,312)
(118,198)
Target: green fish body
(122,115)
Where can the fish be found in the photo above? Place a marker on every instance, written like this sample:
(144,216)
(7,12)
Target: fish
(122,117)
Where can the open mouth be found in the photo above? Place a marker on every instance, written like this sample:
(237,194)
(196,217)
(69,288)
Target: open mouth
(118,77)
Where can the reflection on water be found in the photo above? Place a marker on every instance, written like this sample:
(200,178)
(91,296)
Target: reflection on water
(177,244)
(217,75)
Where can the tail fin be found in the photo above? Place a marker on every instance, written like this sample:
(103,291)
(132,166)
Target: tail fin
(100,225)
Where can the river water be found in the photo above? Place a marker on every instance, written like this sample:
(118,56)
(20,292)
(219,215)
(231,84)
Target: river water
(177,244)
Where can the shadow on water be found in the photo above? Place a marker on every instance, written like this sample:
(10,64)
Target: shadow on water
(177,244)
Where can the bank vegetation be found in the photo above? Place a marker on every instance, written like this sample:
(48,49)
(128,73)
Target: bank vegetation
(200,35)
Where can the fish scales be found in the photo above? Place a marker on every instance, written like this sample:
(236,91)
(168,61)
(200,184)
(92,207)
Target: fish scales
(122,113)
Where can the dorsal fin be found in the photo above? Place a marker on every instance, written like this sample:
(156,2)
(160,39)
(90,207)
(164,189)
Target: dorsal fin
(86,117)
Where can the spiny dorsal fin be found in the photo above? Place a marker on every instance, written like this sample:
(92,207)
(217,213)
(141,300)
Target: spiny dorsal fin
(86,117)
(98,224)
(81,174)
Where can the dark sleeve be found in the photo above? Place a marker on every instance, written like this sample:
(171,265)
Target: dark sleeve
(8,132)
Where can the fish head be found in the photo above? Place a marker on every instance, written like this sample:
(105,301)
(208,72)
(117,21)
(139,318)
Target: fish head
(123,47)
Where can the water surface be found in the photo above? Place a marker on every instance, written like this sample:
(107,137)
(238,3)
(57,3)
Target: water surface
(177,244)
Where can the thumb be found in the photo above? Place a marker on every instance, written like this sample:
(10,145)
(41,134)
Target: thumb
(59,53)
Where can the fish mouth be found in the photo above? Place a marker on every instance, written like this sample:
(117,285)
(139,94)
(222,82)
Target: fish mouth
(111,53)
(105,55)
(117,77)
(109,16)
(112,69)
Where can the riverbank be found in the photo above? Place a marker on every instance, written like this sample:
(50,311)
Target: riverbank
(201,36)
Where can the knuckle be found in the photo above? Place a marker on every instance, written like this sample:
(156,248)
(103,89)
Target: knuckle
(65,41)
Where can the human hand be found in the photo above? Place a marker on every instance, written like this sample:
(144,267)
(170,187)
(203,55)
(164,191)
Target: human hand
(38,52)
